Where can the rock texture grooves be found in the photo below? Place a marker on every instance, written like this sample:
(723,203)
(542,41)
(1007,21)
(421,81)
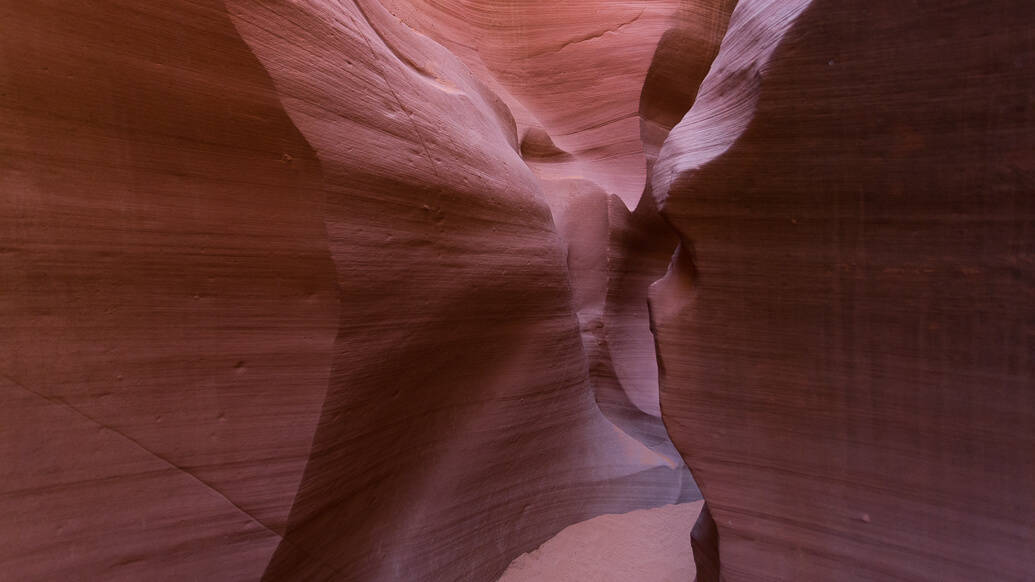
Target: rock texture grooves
(846,336)
(293,292)
(358,289)
(460,425)
(168,299)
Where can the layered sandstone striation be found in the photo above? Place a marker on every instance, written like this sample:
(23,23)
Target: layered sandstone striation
(358,290)
(845,336)
(168,297)
(294,294)
(460,424)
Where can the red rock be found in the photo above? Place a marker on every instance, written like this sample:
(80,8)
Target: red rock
(573,70)
(168,298)
(845,341)
(286,301)
(459,426)
(358,290)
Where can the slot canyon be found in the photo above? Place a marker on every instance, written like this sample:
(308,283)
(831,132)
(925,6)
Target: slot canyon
(517,290)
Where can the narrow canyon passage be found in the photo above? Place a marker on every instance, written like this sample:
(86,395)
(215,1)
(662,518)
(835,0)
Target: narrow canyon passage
(587,372)
(463,290)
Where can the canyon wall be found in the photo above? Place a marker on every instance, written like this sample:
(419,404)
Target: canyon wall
(168,297)
(288,295)
(460,424)
(846,335)
(358,289)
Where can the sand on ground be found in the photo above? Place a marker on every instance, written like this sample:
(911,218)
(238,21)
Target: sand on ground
(648,545)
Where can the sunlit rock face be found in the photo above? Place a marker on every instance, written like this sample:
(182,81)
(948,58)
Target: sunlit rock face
(460,424)
(358,290)
(294,292)
(845,337)
(572,71)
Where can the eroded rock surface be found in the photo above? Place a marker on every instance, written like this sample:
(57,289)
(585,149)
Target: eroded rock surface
(845,338)
(168,298)
(460,422)
(294,293)
(357,290)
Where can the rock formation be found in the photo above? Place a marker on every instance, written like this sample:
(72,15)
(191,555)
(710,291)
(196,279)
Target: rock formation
(845,337)
(285,300)
(459,424)
(169,303)
(358,290)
